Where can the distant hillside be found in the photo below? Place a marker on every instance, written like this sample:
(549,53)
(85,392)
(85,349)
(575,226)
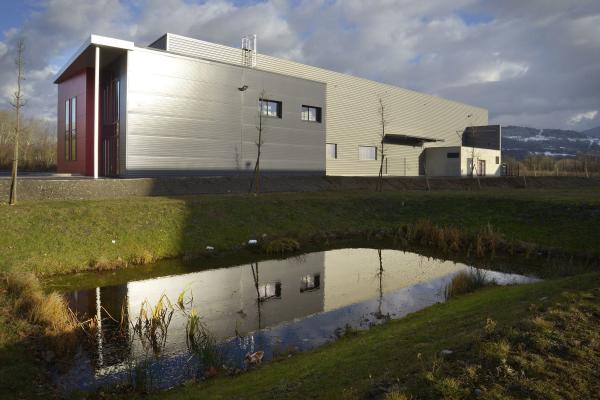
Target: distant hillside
(519,142)
(593,132)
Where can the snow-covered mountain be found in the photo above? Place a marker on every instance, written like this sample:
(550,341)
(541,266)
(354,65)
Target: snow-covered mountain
(519,142)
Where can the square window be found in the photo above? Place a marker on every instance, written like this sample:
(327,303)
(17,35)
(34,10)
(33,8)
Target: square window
(312,114)
(271,290)
(310,282)
(367,153)
(270,108)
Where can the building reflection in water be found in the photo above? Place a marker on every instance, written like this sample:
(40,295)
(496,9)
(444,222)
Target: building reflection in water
(268,303)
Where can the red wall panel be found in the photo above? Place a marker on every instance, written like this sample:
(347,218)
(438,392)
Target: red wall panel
(82,87)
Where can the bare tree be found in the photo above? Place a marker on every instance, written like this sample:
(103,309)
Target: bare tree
(379,313)
(260,128)
(254,268)
(17,102)
(474,153)
(383,124)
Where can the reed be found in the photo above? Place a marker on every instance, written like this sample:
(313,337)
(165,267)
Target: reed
(467,282)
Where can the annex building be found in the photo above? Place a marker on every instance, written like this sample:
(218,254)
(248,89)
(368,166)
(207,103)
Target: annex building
(183,106)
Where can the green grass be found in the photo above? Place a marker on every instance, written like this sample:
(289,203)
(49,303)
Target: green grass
(405,353)
(66,236)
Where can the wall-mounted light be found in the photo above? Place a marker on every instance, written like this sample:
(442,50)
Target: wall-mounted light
(243,88)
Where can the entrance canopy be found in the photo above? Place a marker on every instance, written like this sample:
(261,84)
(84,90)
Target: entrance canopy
(85,55)
(408,140)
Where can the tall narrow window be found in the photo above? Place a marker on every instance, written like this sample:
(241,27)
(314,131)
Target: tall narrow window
(71,129)
(74,129)
(270,108)
(367,153)
(312,114)
(67,130)
(331,151)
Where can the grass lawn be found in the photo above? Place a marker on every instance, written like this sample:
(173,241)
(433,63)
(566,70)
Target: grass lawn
(404,355)
(66,236)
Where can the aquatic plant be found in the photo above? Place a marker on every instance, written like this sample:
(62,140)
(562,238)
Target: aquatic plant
(141,375)
(152,324)
(201,342)
(467,282)
(183,302)
(346,331)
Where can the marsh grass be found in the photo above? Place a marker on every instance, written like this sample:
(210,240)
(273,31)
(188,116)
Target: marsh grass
(55,329)
(484,242)
(105,264)
(467,282)
(281,246)
(396,395)
(145,257)
(49,311)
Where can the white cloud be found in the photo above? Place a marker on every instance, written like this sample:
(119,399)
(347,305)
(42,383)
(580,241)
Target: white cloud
(500,71)
(533,62)
(579,117)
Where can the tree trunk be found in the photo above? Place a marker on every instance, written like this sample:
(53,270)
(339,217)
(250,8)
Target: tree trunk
(18,103)
(15,166)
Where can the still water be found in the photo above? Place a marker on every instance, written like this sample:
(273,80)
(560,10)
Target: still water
(277,307)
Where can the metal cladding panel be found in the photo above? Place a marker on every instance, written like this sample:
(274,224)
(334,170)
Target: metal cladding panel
(352,110)
(186,115)
(483,137)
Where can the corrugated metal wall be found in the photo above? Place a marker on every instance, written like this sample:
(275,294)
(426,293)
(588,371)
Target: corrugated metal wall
(186,115)
(352,110)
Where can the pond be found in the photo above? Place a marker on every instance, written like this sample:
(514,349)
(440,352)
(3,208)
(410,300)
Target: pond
(158,333)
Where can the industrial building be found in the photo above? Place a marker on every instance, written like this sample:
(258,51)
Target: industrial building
(183,106)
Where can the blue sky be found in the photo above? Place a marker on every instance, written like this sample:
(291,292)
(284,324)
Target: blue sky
(12,14)
(533,63)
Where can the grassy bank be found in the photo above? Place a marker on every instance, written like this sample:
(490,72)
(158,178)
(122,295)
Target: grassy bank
(532,334)
(65,236)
